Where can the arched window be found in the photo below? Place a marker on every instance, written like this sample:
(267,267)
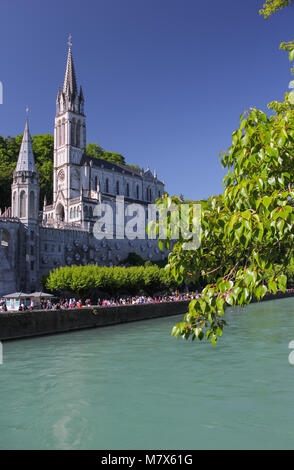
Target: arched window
(128,190)
(23,200)
(78,135)
(117,187)
(159,194)
(150,194)
(32,204)
(90,212)
(96,183)
(70,214)
(73,132)
(86,212)
(146,194)
(75,212)
(137,191)
(107,185)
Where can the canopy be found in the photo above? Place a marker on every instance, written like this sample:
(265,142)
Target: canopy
(16,295)
(40,294)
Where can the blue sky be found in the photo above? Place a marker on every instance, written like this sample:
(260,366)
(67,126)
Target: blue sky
(165,81)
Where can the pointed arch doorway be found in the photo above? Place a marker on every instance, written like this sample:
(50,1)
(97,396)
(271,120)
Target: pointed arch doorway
(60,213)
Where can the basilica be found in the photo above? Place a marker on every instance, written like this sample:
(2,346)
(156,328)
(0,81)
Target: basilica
(32,241)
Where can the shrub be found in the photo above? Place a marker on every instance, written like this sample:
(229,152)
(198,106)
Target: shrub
(115,280)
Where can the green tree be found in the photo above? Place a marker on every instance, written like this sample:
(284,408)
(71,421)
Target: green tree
(272,6)
(247,235)
(133,259)
(43,151)
(43,147)
(9,149)
(115,280)
(96,151)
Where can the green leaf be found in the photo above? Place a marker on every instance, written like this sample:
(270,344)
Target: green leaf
(266,201)
(213,339)
(230,299)
(272,286)
(219,331)
(260,292)
(282,282)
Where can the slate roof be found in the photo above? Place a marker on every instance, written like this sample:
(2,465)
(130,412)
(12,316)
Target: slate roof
(26,160)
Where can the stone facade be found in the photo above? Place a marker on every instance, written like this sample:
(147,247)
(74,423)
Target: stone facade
(32,242)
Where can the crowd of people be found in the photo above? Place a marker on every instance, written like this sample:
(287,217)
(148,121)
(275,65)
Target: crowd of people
(65,303)
(146,299)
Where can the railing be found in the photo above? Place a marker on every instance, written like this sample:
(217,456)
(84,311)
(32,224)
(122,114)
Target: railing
(4,218)
(62,225)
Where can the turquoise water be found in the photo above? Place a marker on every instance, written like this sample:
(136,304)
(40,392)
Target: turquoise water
(133,386)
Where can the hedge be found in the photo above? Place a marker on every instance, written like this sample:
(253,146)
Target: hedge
(114,280)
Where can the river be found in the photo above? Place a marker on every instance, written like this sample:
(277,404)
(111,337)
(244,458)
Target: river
(133,386)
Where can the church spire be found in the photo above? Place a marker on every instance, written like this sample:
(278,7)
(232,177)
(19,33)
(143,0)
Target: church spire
(26,160)
(69,98)
(70,82)
(25,187)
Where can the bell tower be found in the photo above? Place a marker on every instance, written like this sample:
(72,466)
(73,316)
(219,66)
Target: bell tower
(69,141)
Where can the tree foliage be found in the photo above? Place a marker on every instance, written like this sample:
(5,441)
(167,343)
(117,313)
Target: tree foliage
(247,235)
(43,151)
(115,280)
(43,147)
(95,150)
(272,6)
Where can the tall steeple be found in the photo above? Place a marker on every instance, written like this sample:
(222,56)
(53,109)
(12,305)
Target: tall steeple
(70,83)
(26,160)
(69,141)
(25,187)
(69,98)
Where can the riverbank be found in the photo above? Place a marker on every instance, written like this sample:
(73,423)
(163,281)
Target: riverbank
(19,325)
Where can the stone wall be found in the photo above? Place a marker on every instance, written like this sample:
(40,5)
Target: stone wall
(67,247)
(11,258)
(39,322)
(26,253)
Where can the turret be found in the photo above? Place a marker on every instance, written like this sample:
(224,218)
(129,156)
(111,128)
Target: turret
(25,187)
